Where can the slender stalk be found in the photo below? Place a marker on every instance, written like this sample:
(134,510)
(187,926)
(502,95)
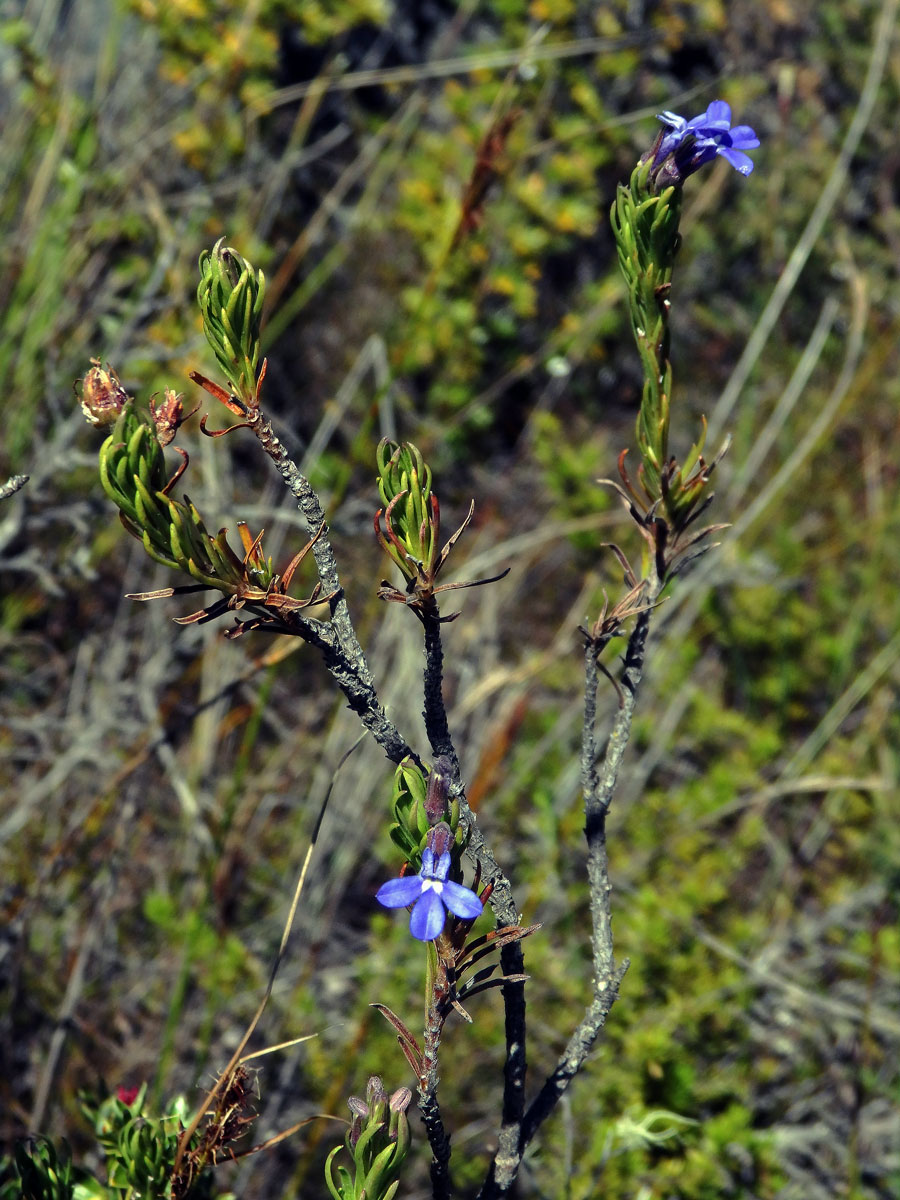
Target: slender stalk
(506,1160)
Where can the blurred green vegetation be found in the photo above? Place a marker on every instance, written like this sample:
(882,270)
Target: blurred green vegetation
(160,785)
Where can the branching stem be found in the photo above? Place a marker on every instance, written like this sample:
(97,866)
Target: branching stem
(598,786)
(346,663)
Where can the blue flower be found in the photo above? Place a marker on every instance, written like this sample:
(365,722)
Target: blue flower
(712,134)
(431,893)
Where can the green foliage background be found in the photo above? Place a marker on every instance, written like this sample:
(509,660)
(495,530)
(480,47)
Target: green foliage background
(159,785)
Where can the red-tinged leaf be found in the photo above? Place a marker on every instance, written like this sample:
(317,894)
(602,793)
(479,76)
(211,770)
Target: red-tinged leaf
(162,593)
(245,536)
(630,577)
(217,433)
(259,382)
(231,402)
(250,547)
(455,537)
(298,559)
(181,470)
(408,1043)
(458,587)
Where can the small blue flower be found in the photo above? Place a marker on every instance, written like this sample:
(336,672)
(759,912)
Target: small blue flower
(713,134)
(431,893)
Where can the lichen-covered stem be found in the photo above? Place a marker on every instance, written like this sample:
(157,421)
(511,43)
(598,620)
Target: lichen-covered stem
(340,646)
(599,786)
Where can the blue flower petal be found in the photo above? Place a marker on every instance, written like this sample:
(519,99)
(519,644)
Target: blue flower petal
(442,866)
(427,863)
(699,126)
(743,137)
(397,893)
(718,115)
(741,162)
(461,901)
(678,126)
(428,917)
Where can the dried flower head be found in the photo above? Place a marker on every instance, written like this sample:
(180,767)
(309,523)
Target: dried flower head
(102,395)
(168,414)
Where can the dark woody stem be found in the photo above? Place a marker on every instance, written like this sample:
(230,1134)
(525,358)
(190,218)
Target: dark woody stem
(434,712)
(439,1143)
(512,960)
(438,1139)
(506,1160)
(511,957)
(363,700)
(508,1155)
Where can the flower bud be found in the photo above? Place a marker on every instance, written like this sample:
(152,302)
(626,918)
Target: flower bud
(440,839)
(376,1098)
(399,1101)
(360,1111)
(398,1127)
